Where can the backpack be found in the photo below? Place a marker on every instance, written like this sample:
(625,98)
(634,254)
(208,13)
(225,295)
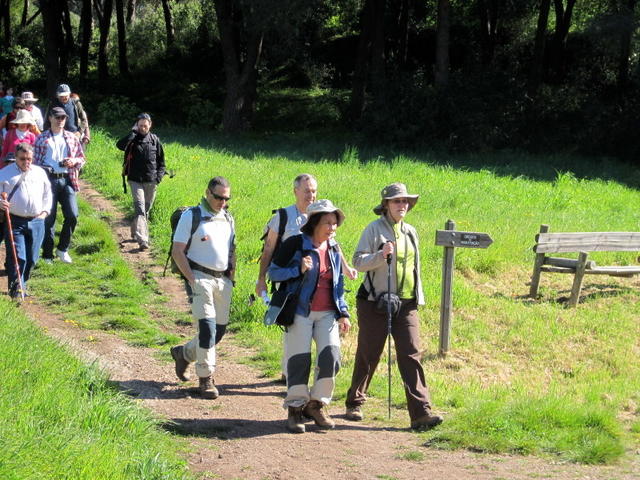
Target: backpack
(196,217)
(282,212)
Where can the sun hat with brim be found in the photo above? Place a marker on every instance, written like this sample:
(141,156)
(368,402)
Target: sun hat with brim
(23,117)
(28,97)
(318,207)
(395,190)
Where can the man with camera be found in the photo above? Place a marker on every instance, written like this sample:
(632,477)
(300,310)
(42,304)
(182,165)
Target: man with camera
(28,201)
(59,152)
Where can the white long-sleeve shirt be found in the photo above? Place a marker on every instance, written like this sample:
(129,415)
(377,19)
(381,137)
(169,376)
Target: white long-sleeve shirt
(33,195)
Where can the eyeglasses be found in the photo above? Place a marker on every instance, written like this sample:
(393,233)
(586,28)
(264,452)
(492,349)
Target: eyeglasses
(219,197)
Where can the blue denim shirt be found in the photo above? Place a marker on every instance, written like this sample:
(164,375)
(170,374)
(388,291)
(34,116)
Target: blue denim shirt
(285,267)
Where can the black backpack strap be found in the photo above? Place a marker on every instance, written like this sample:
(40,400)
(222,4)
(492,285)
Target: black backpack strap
(196,218)
(282,225)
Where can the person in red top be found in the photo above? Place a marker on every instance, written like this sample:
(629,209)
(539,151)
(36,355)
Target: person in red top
(20,134)
(310,263)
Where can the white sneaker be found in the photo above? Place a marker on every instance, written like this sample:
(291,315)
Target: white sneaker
(48,261)
(64,256)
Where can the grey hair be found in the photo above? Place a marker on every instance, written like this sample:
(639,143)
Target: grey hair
(303,177)
(24,147)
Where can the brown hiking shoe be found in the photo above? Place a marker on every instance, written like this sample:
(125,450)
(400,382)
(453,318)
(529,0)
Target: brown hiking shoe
(181,364)
(316,410)
(295,423)
(426,422)
(354,414)
(207,388)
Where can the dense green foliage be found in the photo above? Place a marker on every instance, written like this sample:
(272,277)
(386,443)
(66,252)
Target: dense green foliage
(523,376)
(580,93)
(61,419)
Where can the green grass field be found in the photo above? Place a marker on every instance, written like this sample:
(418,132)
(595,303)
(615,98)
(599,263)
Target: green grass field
(61,419)
(529,377)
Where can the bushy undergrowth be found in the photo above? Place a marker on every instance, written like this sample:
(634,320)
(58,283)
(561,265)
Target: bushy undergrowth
(60,418)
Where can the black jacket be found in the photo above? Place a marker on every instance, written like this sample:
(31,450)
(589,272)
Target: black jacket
(143,157)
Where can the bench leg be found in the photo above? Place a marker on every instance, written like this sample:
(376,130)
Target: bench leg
(537,265)
(577,279)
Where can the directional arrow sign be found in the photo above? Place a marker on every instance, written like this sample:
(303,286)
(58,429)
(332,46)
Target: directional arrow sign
(453,238)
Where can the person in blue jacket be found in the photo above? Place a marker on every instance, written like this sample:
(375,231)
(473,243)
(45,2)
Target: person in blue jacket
(313,258)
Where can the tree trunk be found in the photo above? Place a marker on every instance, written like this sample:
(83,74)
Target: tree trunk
(489,11)
(537,63)
(67,40)
(25,14)
(168,22)
(442,44)
(86,28)
(563,23)
(51,25)
(625,43)
(403,33)
(104,12)
(240,66)
(362,61)
(131,11)
(5,17)
(123,63)
(378,61)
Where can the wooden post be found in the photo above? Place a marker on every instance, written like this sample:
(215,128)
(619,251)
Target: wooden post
(537,265)
(446,303)
(577,280)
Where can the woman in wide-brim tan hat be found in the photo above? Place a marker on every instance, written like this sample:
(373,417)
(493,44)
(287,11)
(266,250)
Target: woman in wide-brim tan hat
(390,236)
(310,263)
(21,133)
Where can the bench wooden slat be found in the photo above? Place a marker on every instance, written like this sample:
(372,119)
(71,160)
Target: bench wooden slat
(587,242)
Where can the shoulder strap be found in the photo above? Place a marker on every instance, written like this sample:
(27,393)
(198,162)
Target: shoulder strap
(15,187)
(283,222)
(196,217)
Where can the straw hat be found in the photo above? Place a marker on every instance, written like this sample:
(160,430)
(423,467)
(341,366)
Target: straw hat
(23,117)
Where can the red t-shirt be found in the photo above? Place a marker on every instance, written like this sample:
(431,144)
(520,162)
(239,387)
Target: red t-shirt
(323,296)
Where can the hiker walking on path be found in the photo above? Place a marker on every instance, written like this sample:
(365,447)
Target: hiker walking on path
(28,200)
(17,135)
(390,235)
(31,107)
(77,122)
(312,262)
(204,251)
(144,168)
(59,152)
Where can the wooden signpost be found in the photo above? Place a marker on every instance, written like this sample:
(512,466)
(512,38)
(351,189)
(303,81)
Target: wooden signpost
(449,238)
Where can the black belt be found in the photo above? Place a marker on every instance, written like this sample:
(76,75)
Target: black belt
(21,217)
(58,175)
(208,271)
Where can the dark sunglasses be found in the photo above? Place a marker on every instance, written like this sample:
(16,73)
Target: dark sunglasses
(219,197)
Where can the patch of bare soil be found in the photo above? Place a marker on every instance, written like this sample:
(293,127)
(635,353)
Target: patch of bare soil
(242,435)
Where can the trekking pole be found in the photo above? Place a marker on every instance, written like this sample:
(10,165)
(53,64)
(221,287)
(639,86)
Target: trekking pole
(389,332)
(13,247)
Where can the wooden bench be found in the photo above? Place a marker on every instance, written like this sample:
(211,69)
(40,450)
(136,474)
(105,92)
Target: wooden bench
(582,242)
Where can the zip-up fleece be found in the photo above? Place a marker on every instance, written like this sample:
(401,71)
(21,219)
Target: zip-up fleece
(368,258)
(285,267)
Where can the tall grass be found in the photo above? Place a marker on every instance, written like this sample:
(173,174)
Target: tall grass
(60,419)
(522,376)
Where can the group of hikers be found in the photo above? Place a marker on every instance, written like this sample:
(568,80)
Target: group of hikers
(300,257)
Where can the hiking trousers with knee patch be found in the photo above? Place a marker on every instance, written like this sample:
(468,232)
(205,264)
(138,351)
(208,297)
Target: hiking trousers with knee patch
(323,328)
(211,300)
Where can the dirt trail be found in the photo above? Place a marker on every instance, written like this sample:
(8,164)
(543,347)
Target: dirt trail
(241,435)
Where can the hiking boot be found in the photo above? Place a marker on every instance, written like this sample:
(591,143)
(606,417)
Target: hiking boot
(316,411)
(295,423)
(207,388)
(426,422)
(354,414)
(282,380)
(143,245)
(181,364)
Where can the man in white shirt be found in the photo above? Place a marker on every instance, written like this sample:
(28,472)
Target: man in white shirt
(28,202)
(207,262)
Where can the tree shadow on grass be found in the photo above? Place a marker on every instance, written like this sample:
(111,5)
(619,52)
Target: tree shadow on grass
(590,292)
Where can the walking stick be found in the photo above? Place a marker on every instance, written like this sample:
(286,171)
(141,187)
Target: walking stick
(389,332)
(13,247)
